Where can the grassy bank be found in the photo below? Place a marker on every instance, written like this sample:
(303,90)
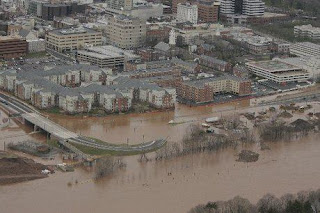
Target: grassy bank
(101,152)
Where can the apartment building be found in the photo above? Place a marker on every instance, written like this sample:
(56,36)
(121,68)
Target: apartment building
(12,47)
(203,90)
(208,11)
(278,71)
(307,31)
(67,40)
(305,49)
(126,32)
(214,63)
(187,13)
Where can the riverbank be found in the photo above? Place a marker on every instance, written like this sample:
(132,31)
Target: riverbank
(15,169)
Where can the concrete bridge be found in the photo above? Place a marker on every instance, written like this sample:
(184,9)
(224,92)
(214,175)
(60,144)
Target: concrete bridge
(26,113)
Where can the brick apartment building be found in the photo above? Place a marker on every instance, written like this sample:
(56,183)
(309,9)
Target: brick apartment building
(214,63)
(12,47)
(149,54)
(203,90)
(157,34)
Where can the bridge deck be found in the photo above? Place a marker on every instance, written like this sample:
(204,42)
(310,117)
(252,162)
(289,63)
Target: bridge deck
(49,126)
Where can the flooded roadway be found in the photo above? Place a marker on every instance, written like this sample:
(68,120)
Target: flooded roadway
(287,168)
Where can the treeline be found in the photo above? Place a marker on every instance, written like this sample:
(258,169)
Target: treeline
(107,165)
(302,202)
(310,6)
(196,140)
(285,30)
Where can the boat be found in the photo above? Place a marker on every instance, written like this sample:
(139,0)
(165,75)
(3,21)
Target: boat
(205,125)
(171,122)
(212,119)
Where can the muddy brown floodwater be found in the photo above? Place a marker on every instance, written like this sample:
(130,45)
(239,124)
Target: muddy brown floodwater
(286,168)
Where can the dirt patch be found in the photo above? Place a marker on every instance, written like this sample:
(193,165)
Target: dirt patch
(15,169)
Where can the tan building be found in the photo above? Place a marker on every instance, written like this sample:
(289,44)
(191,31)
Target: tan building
(66,40)
(126,32)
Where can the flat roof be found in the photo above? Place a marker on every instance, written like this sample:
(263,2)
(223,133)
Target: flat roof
(99,55)
(112,51)
(5,38)
(273,66)
(72,31)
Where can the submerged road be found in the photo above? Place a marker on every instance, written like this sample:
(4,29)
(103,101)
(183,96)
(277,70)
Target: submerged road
(34,117)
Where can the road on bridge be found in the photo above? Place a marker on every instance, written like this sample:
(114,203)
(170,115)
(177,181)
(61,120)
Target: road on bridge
(62,133)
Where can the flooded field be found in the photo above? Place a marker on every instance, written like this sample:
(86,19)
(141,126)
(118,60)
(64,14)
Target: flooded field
(147,187)
(139,127)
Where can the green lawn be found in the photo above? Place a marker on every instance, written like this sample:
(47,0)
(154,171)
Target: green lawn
(36,55)
(101,152)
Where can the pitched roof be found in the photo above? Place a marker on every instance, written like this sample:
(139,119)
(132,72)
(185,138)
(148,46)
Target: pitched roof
(162,46)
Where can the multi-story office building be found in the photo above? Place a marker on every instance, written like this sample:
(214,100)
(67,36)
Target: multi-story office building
(187,13)
(305,49)
(253,7)
(35,7)
(208,11)
(307,31)
(66,40)
(278,71)
(227,7)
(12,47)
(126,32)
(49,11)
(244,7)
(120,4)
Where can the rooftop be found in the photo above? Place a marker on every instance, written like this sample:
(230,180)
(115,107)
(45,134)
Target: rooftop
(63,32)
(274,66)
(109,51)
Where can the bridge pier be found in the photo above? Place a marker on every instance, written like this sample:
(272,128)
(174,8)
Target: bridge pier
(36,128)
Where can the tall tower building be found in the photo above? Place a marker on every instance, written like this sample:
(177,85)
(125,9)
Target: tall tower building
(126,32)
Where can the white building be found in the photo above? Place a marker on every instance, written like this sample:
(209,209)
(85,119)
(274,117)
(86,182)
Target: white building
(172,37)
(278,71)
(305,49)
(38,45)
(227,6)
(307,31)
(244,7)
(187,13)
(253,7)
(311,64)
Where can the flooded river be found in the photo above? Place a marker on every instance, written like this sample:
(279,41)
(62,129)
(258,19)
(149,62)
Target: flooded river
(147,127)
(146,187)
